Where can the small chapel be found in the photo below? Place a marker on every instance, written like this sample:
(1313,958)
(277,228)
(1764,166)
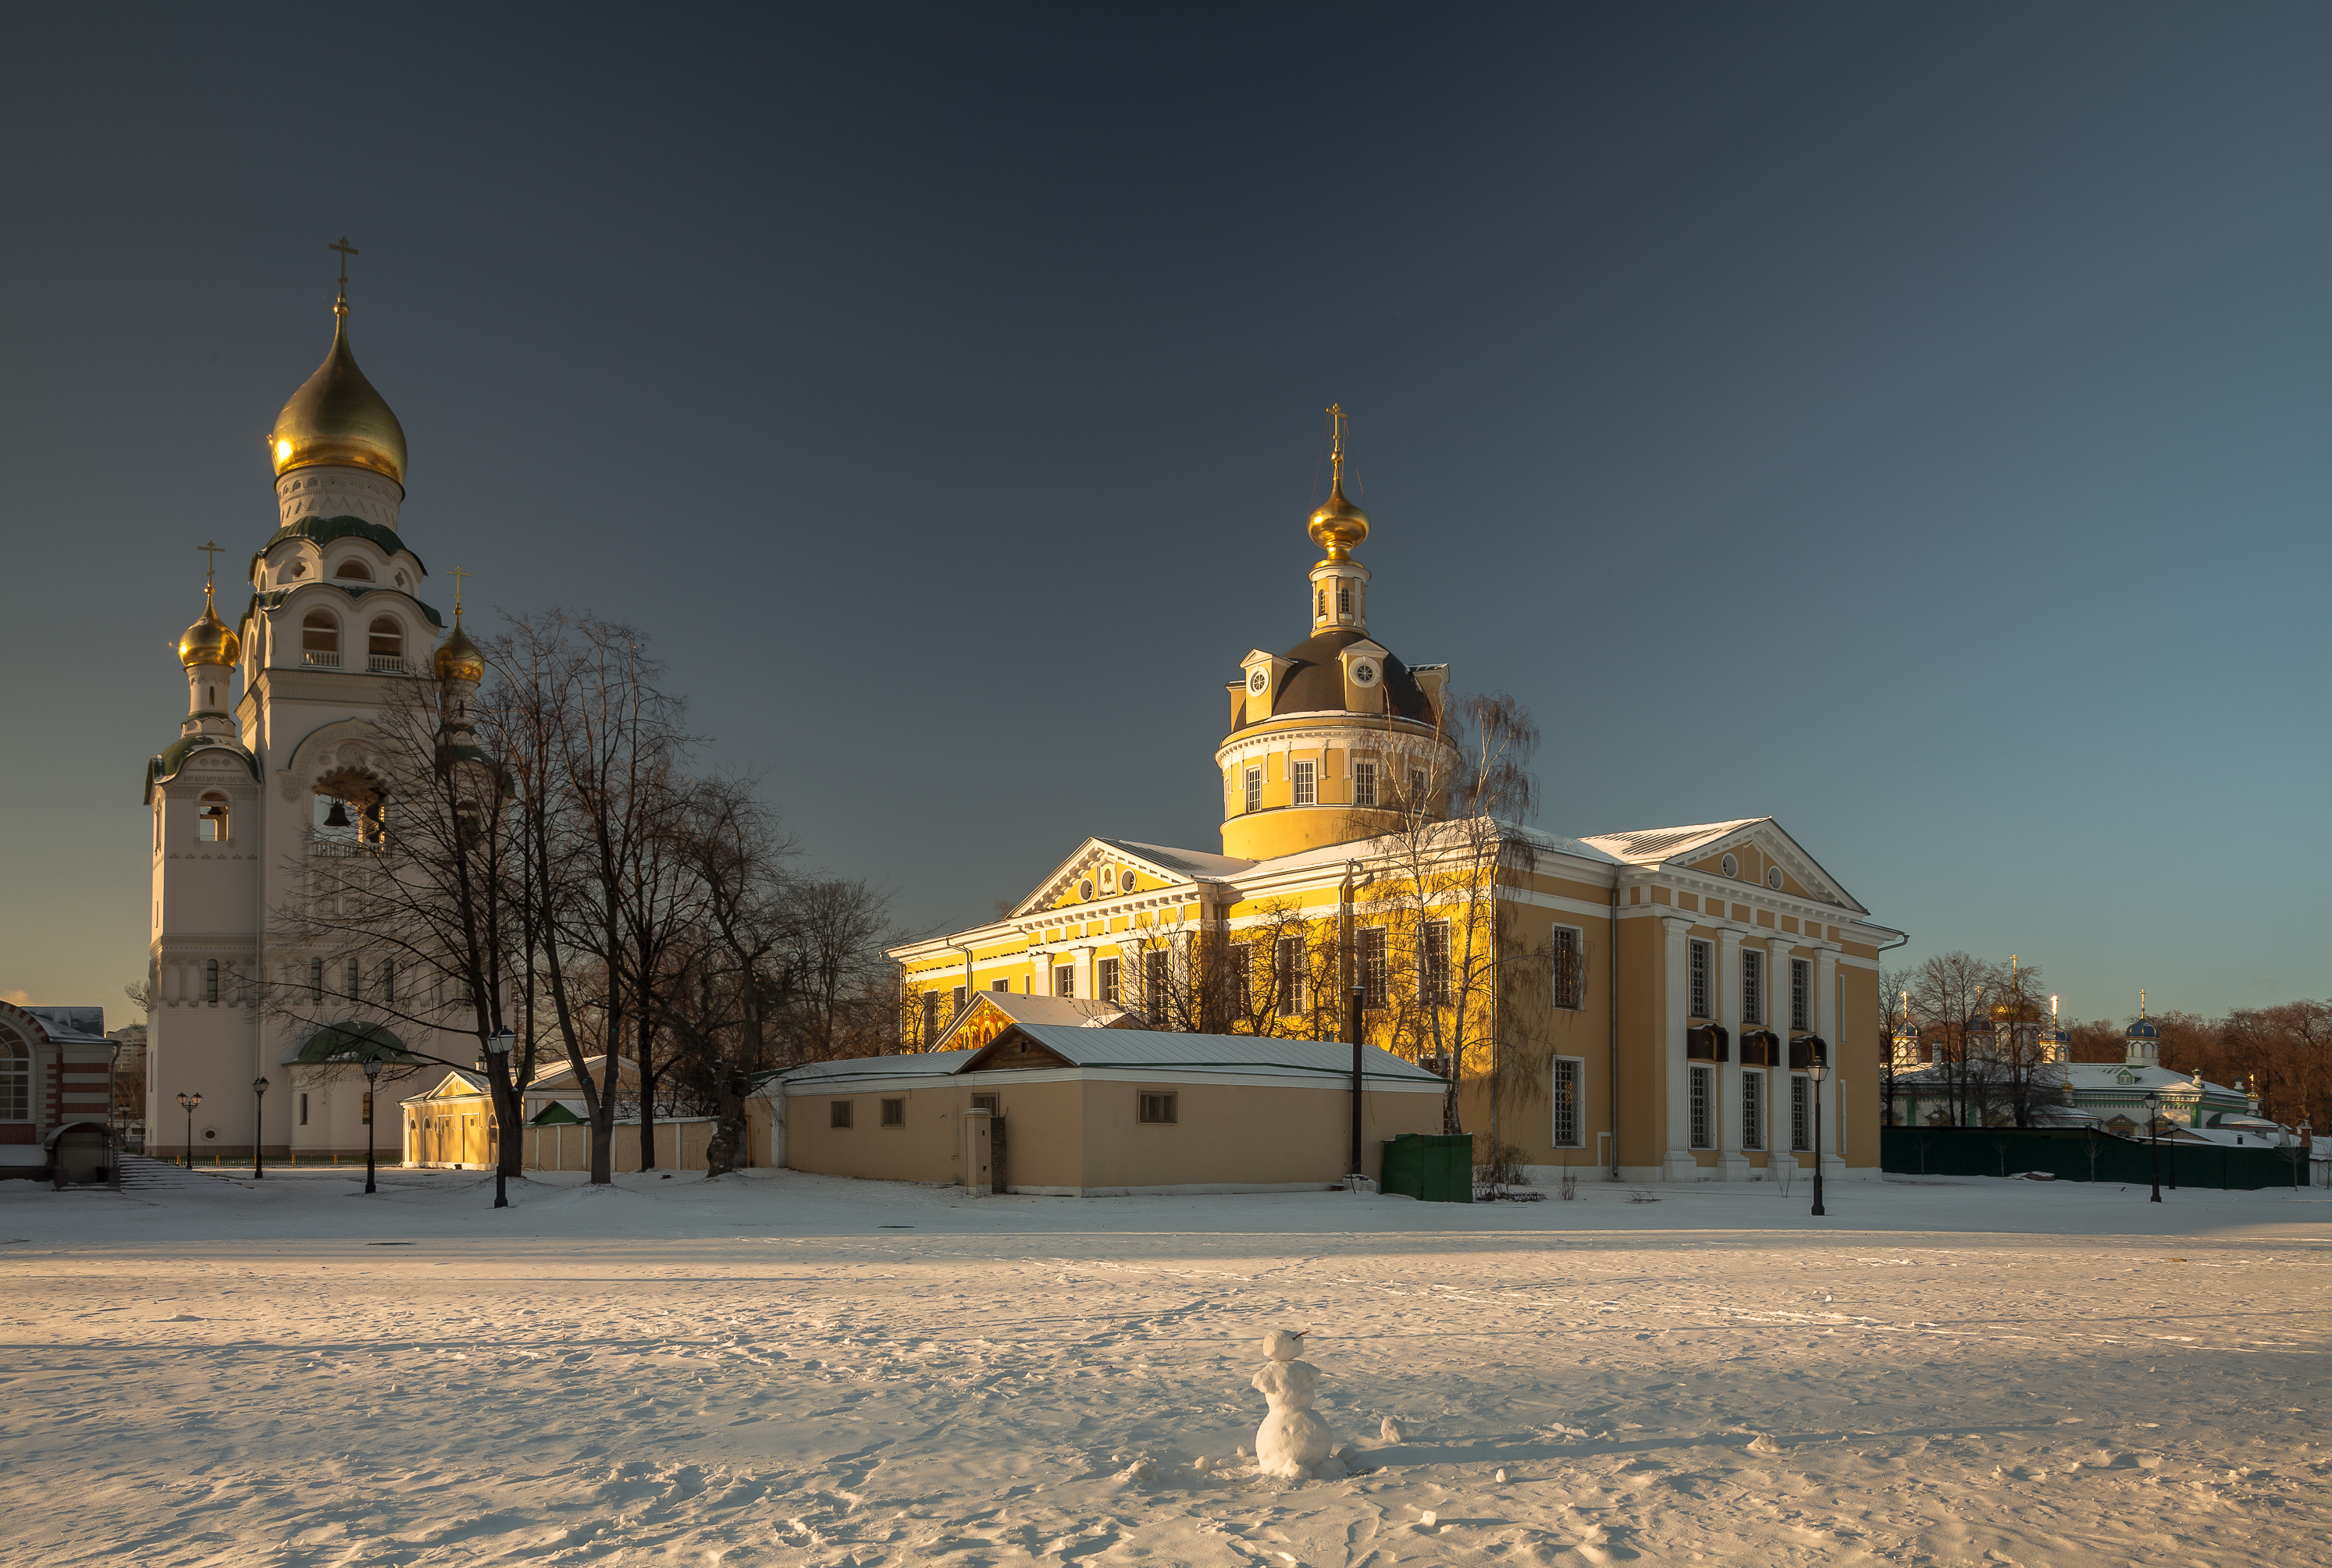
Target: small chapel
(1685,1003)
(278,762)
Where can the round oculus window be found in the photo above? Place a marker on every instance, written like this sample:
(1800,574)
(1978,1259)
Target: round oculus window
(1258,679)
(1773,878)
(1084,889)
(1730,866)
(1364,674)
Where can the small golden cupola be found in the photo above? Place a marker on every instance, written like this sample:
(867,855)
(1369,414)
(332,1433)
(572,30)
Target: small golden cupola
(209,640)
(336,419)
(458,658)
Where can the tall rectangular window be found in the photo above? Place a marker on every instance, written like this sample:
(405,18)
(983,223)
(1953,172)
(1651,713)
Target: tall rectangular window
(1307,783)
(958,1001)
(1752,987)
(1801,986)
(1565,1090)
(1375,973)
(1154,984)
(1433,971)
(315,980)
(210,980)
(1345,602)
(1242,977)
(1702,1134)
(1255,789)
(351,980)
(1416,788)
(1288,975)
(1065,980)
(1570,955)
(931,1016)
(1105,980)
(388,982)
(1802,1135)
(303,1108)
(1752,1110)
(1702,1004)
(1364,783)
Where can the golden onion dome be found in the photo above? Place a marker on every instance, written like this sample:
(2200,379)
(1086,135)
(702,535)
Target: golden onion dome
(209,640)
(458,658)
(336,417)
(1339,525)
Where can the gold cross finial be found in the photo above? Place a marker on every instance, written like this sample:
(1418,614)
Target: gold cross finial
(457,575)
(1336,445)
(212,548)
(346,250)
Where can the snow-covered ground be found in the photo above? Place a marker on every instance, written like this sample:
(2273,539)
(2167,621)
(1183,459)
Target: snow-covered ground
(780,1368)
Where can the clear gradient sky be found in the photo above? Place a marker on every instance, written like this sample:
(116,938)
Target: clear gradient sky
(1908,421)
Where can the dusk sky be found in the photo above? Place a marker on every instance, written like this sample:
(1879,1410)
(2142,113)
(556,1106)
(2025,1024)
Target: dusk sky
(1907,422)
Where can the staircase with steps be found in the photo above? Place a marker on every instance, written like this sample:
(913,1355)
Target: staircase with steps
(141,1174)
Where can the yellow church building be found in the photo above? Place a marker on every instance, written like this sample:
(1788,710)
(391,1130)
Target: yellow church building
(1646,1003)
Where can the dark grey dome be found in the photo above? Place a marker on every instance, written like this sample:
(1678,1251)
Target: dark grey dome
(1315,683)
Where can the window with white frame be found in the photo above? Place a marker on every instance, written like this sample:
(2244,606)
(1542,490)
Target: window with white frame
(1242,976)
(1702,960)
(1703,1132)
(1255,789)
(1570,957)
(210,980)
(1801,1135)
(1752,1110)
(1288,975)
(1065,980)
(1364,783)
(351,980)
(1105,980)
(1802,991)
(931,1016)
(315,980)
(1416,788)
(1154,984)
(1307,783)
(1376,972)
(15,1079)
(1345,602)
(1752,987)
(1565,1093)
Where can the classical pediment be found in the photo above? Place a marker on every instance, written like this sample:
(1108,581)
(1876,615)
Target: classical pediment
(1101,869)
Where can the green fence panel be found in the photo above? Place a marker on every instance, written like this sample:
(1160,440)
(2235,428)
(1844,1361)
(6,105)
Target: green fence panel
(2081,1155)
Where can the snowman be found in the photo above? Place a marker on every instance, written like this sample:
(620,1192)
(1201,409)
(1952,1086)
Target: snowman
(1292,1442)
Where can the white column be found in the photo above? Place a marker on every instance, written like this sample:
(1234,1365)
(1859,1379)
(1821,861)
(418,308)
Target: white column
(1677,1164)
(1822,1015)
(1731,1163)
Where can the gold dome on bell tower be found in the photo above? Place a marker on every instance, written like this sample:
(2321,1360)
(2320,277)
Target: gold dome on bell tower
(336,417)
(1339,525)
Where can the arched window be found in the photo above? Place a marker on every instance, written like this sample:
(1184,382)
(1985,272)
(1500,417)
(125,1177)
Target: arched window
(353,571)
(15,1080)
(385,649)
(319,639)
(211,821)
(210,980)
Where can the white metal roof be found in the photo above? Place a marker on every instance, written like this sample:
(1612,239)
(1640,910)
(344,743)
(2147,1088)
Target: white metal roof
(1160,1050)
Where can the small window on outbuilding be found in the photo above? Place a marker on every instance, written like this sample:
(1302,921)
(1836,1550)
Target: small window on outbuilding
(838,1114)
(894,1113)
(984,1102)
(1157,1108)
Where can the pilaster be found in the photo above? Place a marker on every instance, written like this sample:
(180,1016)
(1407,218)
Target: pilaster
(1677,1163)
(1733,1161)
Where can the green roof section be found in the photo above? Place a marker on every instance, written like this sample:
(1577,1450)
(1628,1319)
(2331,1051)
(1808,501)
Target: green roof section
(554,1114)
(273,598)
(324,530)
(352,1042)
(166,762)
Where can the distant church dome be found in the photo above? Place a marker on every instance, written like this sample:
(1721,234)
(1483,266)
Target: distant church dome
(458,658)
(337,418)
(209,640)
(2142,1029)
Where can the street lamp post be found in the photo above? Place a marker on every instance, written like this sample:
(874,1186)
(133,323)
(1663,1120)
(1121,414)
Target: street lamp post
(499,1045)
(258,1127)
(1817,1069)
(190,1101)
(372,1081)
(2154,1142)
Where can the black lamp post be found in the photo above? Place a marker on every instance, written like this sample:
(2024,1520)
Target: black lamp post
(190,1101)
(258,1127)
(2154,1142)
(372,1080)
(498,1045)
(1816,1070)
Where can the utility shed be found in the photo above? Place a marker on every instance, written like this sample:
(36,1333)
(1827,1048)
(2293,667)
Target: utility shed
(1082,1112)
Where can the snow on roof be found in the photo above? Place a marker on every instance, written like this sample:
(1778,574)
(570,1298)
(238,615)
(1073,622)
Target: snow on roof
(1245,1053)
(808,1075)
(1363,850)
(1189,862)
(627,1071)
(71,1025)
(1643,846)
